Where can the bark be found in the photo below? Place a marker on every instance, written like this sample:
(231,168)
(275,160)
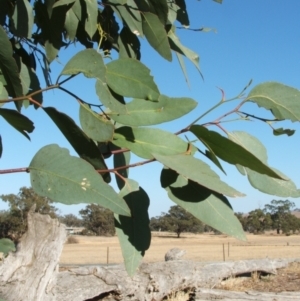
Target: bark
(30,273)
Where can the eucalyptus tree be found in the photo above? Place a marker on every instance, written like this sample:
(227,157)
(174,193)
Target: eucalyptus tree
(120,123)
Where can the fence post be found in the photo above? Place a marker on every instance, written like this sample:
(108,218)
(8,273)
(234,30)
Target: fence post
(107,256)
(223,252)
(228,250)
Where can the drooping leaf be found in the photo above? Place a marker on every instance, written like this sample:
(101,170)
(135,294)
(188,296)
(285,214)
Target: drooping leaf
(282,131)
(121,159)
(130,78)
(6,246)
(3,93)
(182,15)
(272,186)
(211,208)
(172,12)
(82,144)
(134,232)
(23,19)
(1,146)
(145,141)
(71,24)
(182,66)
(231,152)
(91,17)
(129,44)
(9,68)
(141,112)
(20,122)
(70,180)
(176,45)
(88,62)
(197,171)
(213,158)
(156,35)
(94,125)
(283,101)
(130,15)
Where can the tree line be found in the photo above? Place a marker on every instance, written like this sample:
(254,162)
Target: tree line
(97,220)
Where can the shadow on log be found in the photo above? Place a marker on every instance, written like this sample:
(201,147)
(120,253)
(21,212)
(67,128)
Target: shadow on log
(31,274)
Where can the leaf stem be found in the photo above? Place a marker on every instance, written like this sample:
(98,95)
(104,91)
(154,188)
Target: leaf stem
(14,170)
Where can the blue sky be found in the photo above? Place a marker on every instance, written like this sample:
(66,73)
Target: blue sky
(254,39)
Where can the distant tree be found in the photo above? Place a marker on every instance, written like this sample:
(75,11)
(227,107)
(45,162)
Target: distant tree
(258,221)
(71,220)
(13,222)
(280,212)
(243,219)
(98,220)
(176,220)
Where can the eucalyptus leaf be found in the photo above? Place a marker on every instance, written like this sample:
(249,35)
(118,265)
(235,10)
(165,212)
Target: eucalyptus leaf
(3,93)
(145,141)
(156,35)
(94,125)
(20,122)
(70,180)
(91,17)
(6,246)
(134,232)
(211,208)
(231,152)
(82,144)
(198,171)
(71,24)
(129,44)
(1,146)
(141,112)
(130,78)
(182,15)
(282,131)
(63,2)
(283,101)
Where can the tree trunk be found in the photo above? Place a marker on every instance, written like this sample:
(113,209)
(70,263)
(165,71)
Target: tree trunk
(30,273)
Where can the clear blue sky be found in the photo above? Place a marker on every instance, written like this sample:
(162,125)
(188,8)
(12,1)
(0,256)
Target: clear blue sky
(255,39)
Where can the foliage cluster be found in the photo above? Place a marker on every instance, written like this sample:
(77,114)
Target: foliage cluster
(275,216)
(128,103)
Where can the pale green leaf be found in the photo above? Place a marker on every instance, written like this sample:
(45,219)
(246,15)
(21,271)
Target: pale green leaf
(231,152)
(182,66)
(91,17)
(197,171)
(3,93)
(94,125)
(20,122)
(282,131)
(70,180)
(63,2)
(89,62)
(145,141)
(283,101)
(141,112)
(211,208)
(6,246)
(121,2)
(172,12)
(130,78)
(71,24)
(156,35)
(23,19)
(134,232)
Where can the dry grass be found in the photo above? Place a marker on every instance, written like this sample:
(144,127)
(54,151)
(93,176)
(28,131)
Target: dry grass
(204,247)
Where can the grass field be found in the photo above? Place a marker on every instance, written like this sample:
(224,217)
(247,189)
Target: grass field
(204,247)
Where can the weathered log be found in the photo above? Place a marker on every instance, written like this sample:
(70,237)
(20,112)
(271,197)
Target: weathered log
(30,273)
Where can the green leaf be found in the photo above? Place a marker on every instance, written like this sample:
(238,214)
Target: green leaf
(121,159)
(71,24)
(218,1)
(230,151)
(272,186)
(182,15)
(70,180)
(62,2)
(213,158)
(134,232)
(110,99)
(23,19)
(94,125)
(182,66)
(120,2)
(176,45)
(141,112)
(82,144)
(129,44)
(6,246)
(130,78)
(197,171)
(1,147)
(20,122)
(9,68)
(145,141)
(89,62)
(91,17)
(130,15)
(211,208)
(283,101)
(282,131)
(3,93)
(156,35)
